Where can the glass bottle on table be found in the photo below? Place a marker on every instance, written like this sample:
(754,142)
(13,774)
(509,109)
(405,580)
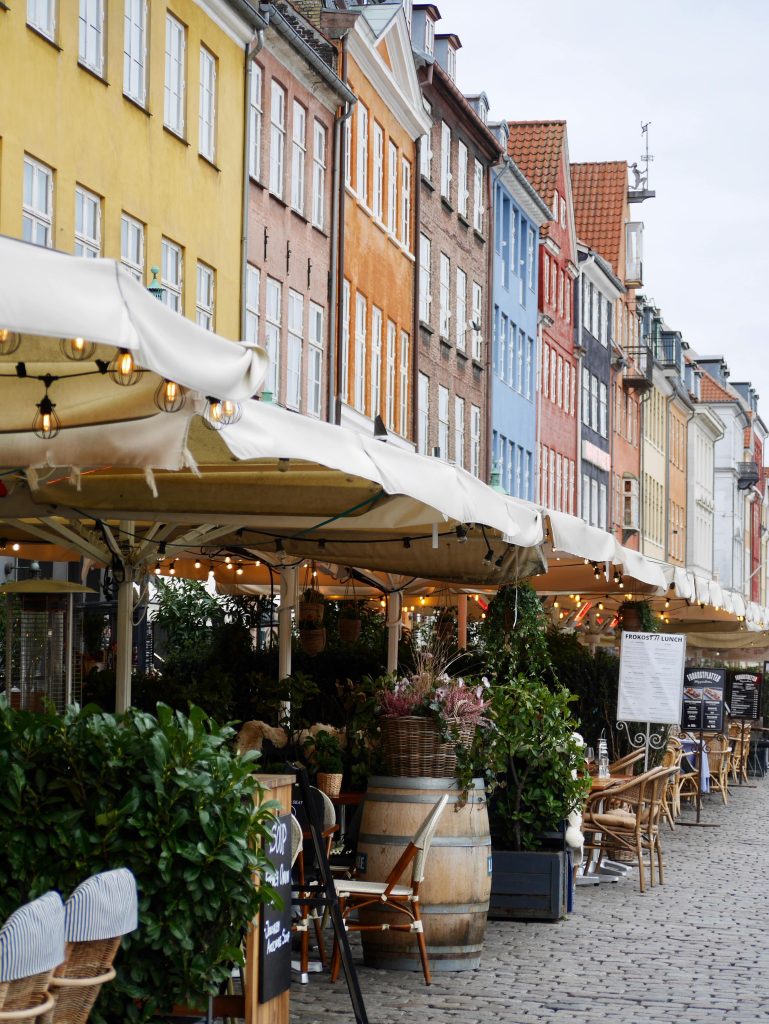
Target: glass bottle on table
(603,760)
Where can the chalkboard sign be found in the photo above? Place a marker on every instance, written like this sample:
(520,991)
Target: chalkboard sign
(745,701)
(651,667)
(275,931)
(703,699)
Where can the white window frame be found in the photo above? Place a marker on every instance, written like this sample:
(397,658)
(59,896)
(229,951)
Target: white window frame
(459,431)
(315,361)
(392,187)
(392,343)
(478,319)
(403,411)
(173,94)
(206,290)
(429,35)
(586,396)
(253,282)
(361,309)
(298,155)
(376,361)
(207,113)
(425,279)
(603,401)
(273,319)
(461,320)
(348,153)
(462,191)
(172,274)
(37,208)
(294,346)
(478,207)
(405,203)
(530,258)
(378,177)
(529,366)
(90,35)
(255,114)
(361,164)
(475,440)
(566,385)
(135,51)
(41,15)
(344,360)
(444,326)
(426,150)
(585,498)
(445,161)
(443,421)
(519,347)
(132,246)
(594,403)
(423,413)
(320,137)
(277,137)
(87,223)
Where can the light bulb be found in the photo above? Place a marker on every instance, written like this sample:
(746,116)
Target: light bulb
(220,412)
(239,570)
(77,349)
(16,546)
(157,568)
(169,396)
(123,369)
(9,341)
(172,569)
(556,604)
(197,563)
(257,563)
(46,423)
(229,565)
(227,559)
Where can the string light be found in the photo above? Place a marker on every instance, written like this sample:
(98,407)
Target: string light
(172,568)
(169,396)
(239,570)
(198,563)
(227,559)
(77,349)
(667,602)
(257,563)
(461,532)
(229,564)
(556,603)
(221,412)
(46,423)
(157,568)
(488,558)
(600,606)
(9,341)
(407,542)
(15,546)
(124,370)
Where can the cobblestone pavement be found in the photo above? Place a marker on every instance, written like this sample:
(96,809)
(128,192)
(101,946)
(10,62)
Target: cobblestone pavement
(693,951)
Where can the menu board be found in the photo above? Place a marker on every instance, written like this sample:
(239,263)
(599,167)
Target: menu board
(703,699)
(275,932)
(745,701)
(651,672)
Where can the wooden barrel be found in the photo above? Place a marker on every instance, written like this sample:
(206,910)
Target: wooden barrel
(454,896)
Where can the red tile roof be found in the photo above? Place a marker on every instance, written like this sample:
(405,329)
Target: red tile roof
(712,391)
(599,193)
(536,147)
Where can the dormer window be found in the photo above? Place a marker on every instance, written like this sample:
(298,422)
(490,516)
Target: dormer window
(429,35)
(446,47)
(451,63)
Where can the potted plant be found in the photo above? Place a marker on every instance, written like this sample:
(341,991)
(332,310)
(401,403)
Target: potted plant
(312,635)
(350,622)
(325,752)
(311,606)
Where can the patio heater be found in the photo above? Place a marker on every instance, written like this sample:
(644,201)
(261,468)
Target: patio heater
(42,655)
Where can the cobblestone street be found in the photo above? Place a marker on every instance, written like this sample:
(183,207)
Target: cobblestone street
(690,952)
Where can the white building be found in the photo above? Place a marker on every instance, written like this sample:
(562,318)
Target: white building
(705,429)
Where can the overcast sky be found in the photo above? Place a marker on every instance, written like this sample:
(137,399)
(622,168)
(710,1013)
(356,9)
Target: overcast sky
(698,70)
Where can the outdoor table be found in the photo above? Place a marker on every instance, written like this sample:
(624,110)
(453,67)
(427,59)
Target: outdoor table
(611,871)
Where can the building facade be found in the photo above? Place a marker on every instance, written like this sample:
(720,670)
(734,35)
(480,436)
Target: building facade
(705,429)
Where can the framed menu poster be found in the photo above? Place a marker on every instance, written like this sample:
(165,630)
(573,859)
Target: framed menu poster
(703,699)
(651,673)
(745,698)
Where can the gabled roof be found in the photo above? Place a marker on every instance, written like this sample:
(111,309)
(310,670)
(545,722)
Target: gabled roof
(599,193)
(712,391)
(536,147)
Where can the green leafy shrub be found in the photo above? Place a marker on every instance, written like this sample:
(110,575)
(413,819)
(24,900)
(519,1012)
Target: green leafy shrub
(164,796)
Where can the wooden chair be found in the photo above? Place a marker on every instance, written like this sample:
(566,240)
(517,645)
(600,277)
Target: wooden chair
(307,885)
(686,785)
(624,765)
(634,825)
(739,740)
(671,759)
(31,947)
(356,895)
(717,749)
(97,915)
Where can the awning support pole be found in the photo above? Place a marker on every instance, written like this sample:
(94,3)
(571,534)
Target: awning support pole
(287,603)
(394,610)
(462,621)
(124,642)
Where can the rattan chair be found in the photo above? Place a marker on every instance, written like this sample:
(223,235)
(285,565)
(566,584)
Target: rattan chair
(624,765)
(631,823)
(356,895)
(717,749)
(671,759)
(98,914)
(31,947)
(686,785)
(739,740)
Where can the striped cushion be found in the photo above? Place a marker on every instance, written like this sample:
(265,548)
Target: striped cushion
(102,907)
(32,939)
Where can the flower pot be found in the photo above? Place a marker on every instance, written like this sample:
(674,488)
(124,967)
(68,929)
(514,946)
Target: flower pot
(412,747)
(313,640)
(329,783)
(349,630)
(528,885)
(311,611)
(630,619)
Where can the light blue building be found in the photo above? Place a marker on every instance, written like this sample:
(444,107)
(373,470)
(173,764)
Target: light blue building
(518,216)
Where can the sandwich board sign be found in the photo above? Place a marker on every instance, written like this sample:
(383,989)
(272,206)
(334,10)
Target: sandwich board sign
(703,700)
(651,677)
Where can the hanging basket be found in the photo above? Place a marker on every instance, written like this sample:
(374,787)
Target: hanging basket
(311,611)
(349,630)
(313,640)
(329,783)
(412,747)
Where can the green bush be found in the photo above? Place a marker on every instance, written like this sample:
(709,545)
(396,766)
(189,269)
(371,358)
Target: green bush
(164,796)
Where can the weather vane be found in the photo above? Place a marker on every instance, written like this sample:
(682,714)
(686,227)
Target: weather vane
(641,182)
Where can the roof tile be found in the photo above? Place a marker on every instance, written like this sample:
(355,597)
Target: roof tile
(536,147)
(599,193)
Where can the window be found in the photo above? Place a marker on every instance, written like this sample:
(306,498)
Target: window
(348,152)
(207,117)
(586,497)
(277,138)
(171,270)
(173,101)
(425,279)
(135,51)
(555,206)
(425,151)
(586,396)
(392,336)
(252,304)
(255,121)
(594,403)
(602,506)
(423,413)
(90,48)
(602,409)
(204,309)
(527,477)
(478,322)
(553,377)
(553,276)
(518,470)
(443,422)
(509,349)
(475,440)
(318,175)
(445,160)
(376,361)
(315,361)
(298,156)
(273,319)
(378,172)
(404,384)
(546,277)
(478,197)
(563,213)
(459,431)
(594,503)
(294,353)
(462,192)
(551,495)
(37,216)
(429,34)
(560,292)
(362,164)
(566,384)
(445,298)
(461,309)
(543,463)
(360,352)
(559,380)
(392,187)
(344,384)
(529,365)
(132,246)
(405,203)
(87,223)
(530,261)
(41,14)
(519,381)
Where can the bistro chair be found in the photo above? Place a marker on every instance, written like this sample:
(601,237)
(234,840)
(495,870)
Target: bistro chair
(303,891)
(624,765)
(717,748)
(31,947)
(97,915)
(671,759)
(686,785)
(357,895)
(634,825)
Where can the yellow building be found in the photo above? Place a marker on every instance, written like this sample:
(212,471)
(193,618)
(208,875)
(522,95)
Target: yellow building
(122,135)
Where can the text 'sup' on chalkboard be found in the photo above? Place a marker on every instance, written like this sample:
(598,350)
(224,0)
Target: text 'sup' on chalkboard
(703,700)
(275,931)
(745,695)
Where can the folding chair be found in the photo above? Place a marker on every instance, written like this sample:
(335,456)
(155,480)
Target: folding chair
(31,946)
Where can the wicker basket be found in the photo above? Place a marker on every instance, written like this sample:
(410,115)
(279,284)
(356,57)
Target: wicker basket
(311,611)
(313,640)
(412,747)
(349,630)
(329,783)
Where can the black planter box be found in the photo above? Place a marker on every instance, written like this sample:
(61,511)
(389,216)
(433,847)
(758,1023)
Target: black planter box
(529,886)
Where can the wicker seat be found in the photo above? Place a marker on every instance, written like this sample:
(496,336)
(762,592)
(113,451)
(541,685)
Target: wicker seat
(31,946)
(357,895)
(624,765)
(739,739)
(306,885)
(686,785)
(717,749)
(671,759)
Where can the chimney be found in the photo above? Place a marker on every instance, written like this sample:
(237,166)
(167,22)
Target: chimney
(310,9)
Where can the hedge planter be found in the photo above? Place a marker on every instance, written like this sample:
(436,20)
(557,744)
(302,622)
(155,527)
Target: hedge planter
(530,886)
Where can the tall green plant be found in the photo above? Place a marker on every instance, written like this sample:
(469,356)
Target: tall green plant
(164,796)
(513,635)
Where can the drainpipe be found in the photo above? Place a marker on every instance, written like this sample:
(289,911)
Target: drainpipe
(491,180)
(416,177)
(666,549)
(337,249)
(252,48)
